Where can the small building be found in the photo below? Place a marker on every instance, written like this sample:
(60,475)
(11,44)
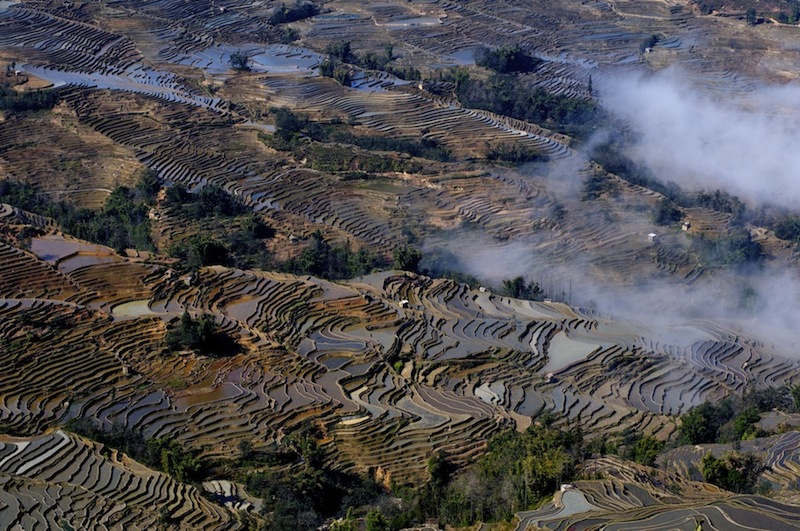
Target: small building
(652,237)
(686,226)
(549,377)
(404,303)
(567,486)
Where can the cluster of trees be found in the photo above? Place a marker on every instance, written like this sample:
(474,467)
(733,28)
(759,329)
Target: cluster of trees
(291,128)
(517,287)
(735,249)
(300,10)
(518,471)
(666,212)
(164,454)
(199,250)
(245,230)
(340,53)
(506,59)
(122,222)
(17,102)
(735,471)
(629,444)
(240,61)
(321,259)
(788,228)
(598,184)
(513,153)
(309,492)
(648,43)
(202,335)
(406,258)
(208,201)
(735,419)
(441,263)
(511,96)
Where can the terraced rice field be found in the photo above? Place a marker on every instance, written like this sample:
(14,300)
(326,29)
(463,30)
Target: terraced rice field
(146,85)
(471,362)
(634,497)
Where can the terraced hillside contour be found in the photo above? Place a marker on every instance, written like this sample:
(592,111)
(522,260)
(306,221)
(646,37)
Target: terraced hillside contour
(393,367)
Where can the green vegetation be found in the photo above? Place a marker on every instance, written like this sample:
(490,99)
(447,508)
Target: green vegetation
(735,419)
(648,43)
(630,444)
(303,497)
(304,138)
(598,184)
(441,263)
(199,250)
(15,102)
(666,213)
(121,223)
(406,258)
(202,335)
(209,201)
(517,288)
(517,473)
(511,96)
(735,249)
(164,454)
(299,11)
(788,228)
(240,61)
(218,212)
(513,153)
(321,259)
(506,60)
(736,472)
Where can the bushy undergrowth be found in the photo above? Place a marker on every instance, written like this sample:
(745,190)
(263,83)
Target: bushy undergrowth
(164,454)
(511,96)
(19,102)
(321,259)
(202,335)
(292,127)
(121,223)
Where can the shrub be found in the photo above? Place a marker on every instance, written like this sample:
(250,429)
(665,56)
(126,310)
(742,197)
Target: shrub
(201,335)
(299,11)
(19,102)
(517,288)
(240,61)
(506,60)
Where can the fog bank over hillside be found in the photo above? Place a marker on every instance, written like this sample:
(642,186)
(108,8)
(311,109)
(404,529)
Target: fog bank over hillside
(742,144)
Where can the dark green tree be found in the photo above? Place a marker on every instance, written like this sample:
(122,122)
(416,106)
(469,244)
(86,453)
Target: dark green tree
(406,258)
(519,289)
(240,61)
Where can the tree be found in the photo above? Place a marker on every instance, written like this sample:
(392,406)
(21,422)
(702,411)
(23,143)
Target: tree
(735,471)
(666,213)
(240,61)
(340,51)
(201,334)
(647,449)
(245,450)
(407,258)
(750,16)
(702,423)
(149,185)
(518,289)
(376,521)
